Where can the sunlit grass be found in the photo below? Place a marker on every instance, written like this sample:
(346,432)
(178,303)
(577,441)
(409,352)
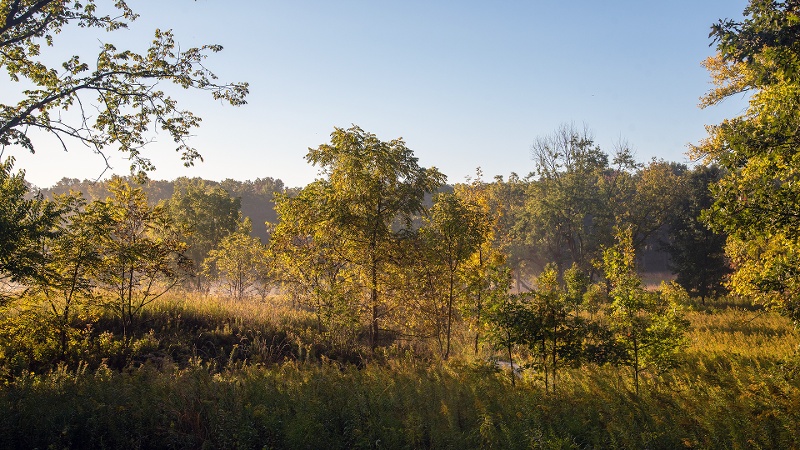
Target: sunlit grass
(274,310)
(737,387)
(734,332)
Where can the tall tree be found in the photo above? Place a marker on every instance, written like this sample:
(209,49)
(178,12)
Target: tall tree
(309,265)
(372,191)
(657,188)
(508,201)
(492,202)
(574,199)
(118,86)
(453,232)
(72,264)
(578,194)
(757,200)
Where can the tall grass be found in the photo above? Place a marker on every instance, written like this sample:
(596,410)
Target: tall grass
(737,388)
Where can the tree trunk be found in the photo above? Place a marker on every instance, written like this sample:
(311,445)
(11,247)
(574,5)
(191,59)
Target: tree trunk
(555,357)
(636,364)
(479,305)
(449,315)
(374,302)
(511,364)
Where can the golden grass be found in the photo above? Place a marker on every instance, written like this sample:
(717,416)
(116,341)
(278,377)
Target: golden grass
(737,388)
(735,332)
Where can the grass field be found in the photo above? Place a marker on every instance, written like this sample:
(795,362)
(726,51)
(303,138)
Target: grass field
(215,373)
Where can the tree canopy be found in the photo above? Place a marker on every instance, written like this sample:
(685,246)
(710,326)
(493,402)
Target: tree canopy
(369,195)
(120,87)
(757,200)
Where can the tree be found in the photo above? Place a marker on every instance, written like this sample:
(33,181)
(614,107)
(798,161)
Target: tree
(697,254)
(546,321)
(207,212)
(309,264)
(559,325)
(452,233)
(72,263)
(767,268)
(653,201)
(118,86)
(493,202)
(142,254)
(419,291)
(372,191)
(576,198)
(240,260)
(580,193)
(26,218)
(648,326)
(507,319)
(757,200)
(507,200)
(563,201)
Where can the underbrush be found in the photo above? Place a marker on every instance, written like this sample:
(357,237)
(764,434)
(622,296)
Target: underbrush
(214,373)
(219,332)
(399,405)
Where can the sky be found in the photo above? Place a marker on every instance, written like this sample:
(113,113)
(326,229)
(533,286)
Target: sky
(466,84)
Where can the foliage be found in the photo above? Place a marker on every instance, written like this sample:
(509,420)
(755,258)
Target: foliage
(547,322)
(256,196)
(505,199)
(72,264)
(307,263)
(369,196)
(756,200)
(697,254)
(492,206)
(580,194)
(241,261)
(566,322)
(560,332)
(566,213)
(123,83)
(767,269)
(658,187)
(142,254)
(25,219)
(648,326)
(207,213)
(453,231)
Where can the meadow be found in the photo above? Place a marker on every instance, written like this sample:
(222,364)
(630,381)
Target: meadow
(216,373)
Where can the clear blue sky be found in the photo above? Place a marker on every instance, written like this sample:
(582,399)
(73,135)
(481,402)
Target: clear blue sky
(466,84)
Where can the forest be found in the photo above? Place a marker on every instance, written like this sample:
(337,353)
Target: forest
(597,301)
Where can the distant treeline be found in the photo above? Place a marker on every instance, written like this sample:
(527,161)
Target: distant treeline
(256,196)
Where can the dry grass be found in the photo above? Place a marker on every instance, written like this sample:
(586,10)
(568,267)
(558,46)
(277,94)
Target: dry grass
(738,387)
